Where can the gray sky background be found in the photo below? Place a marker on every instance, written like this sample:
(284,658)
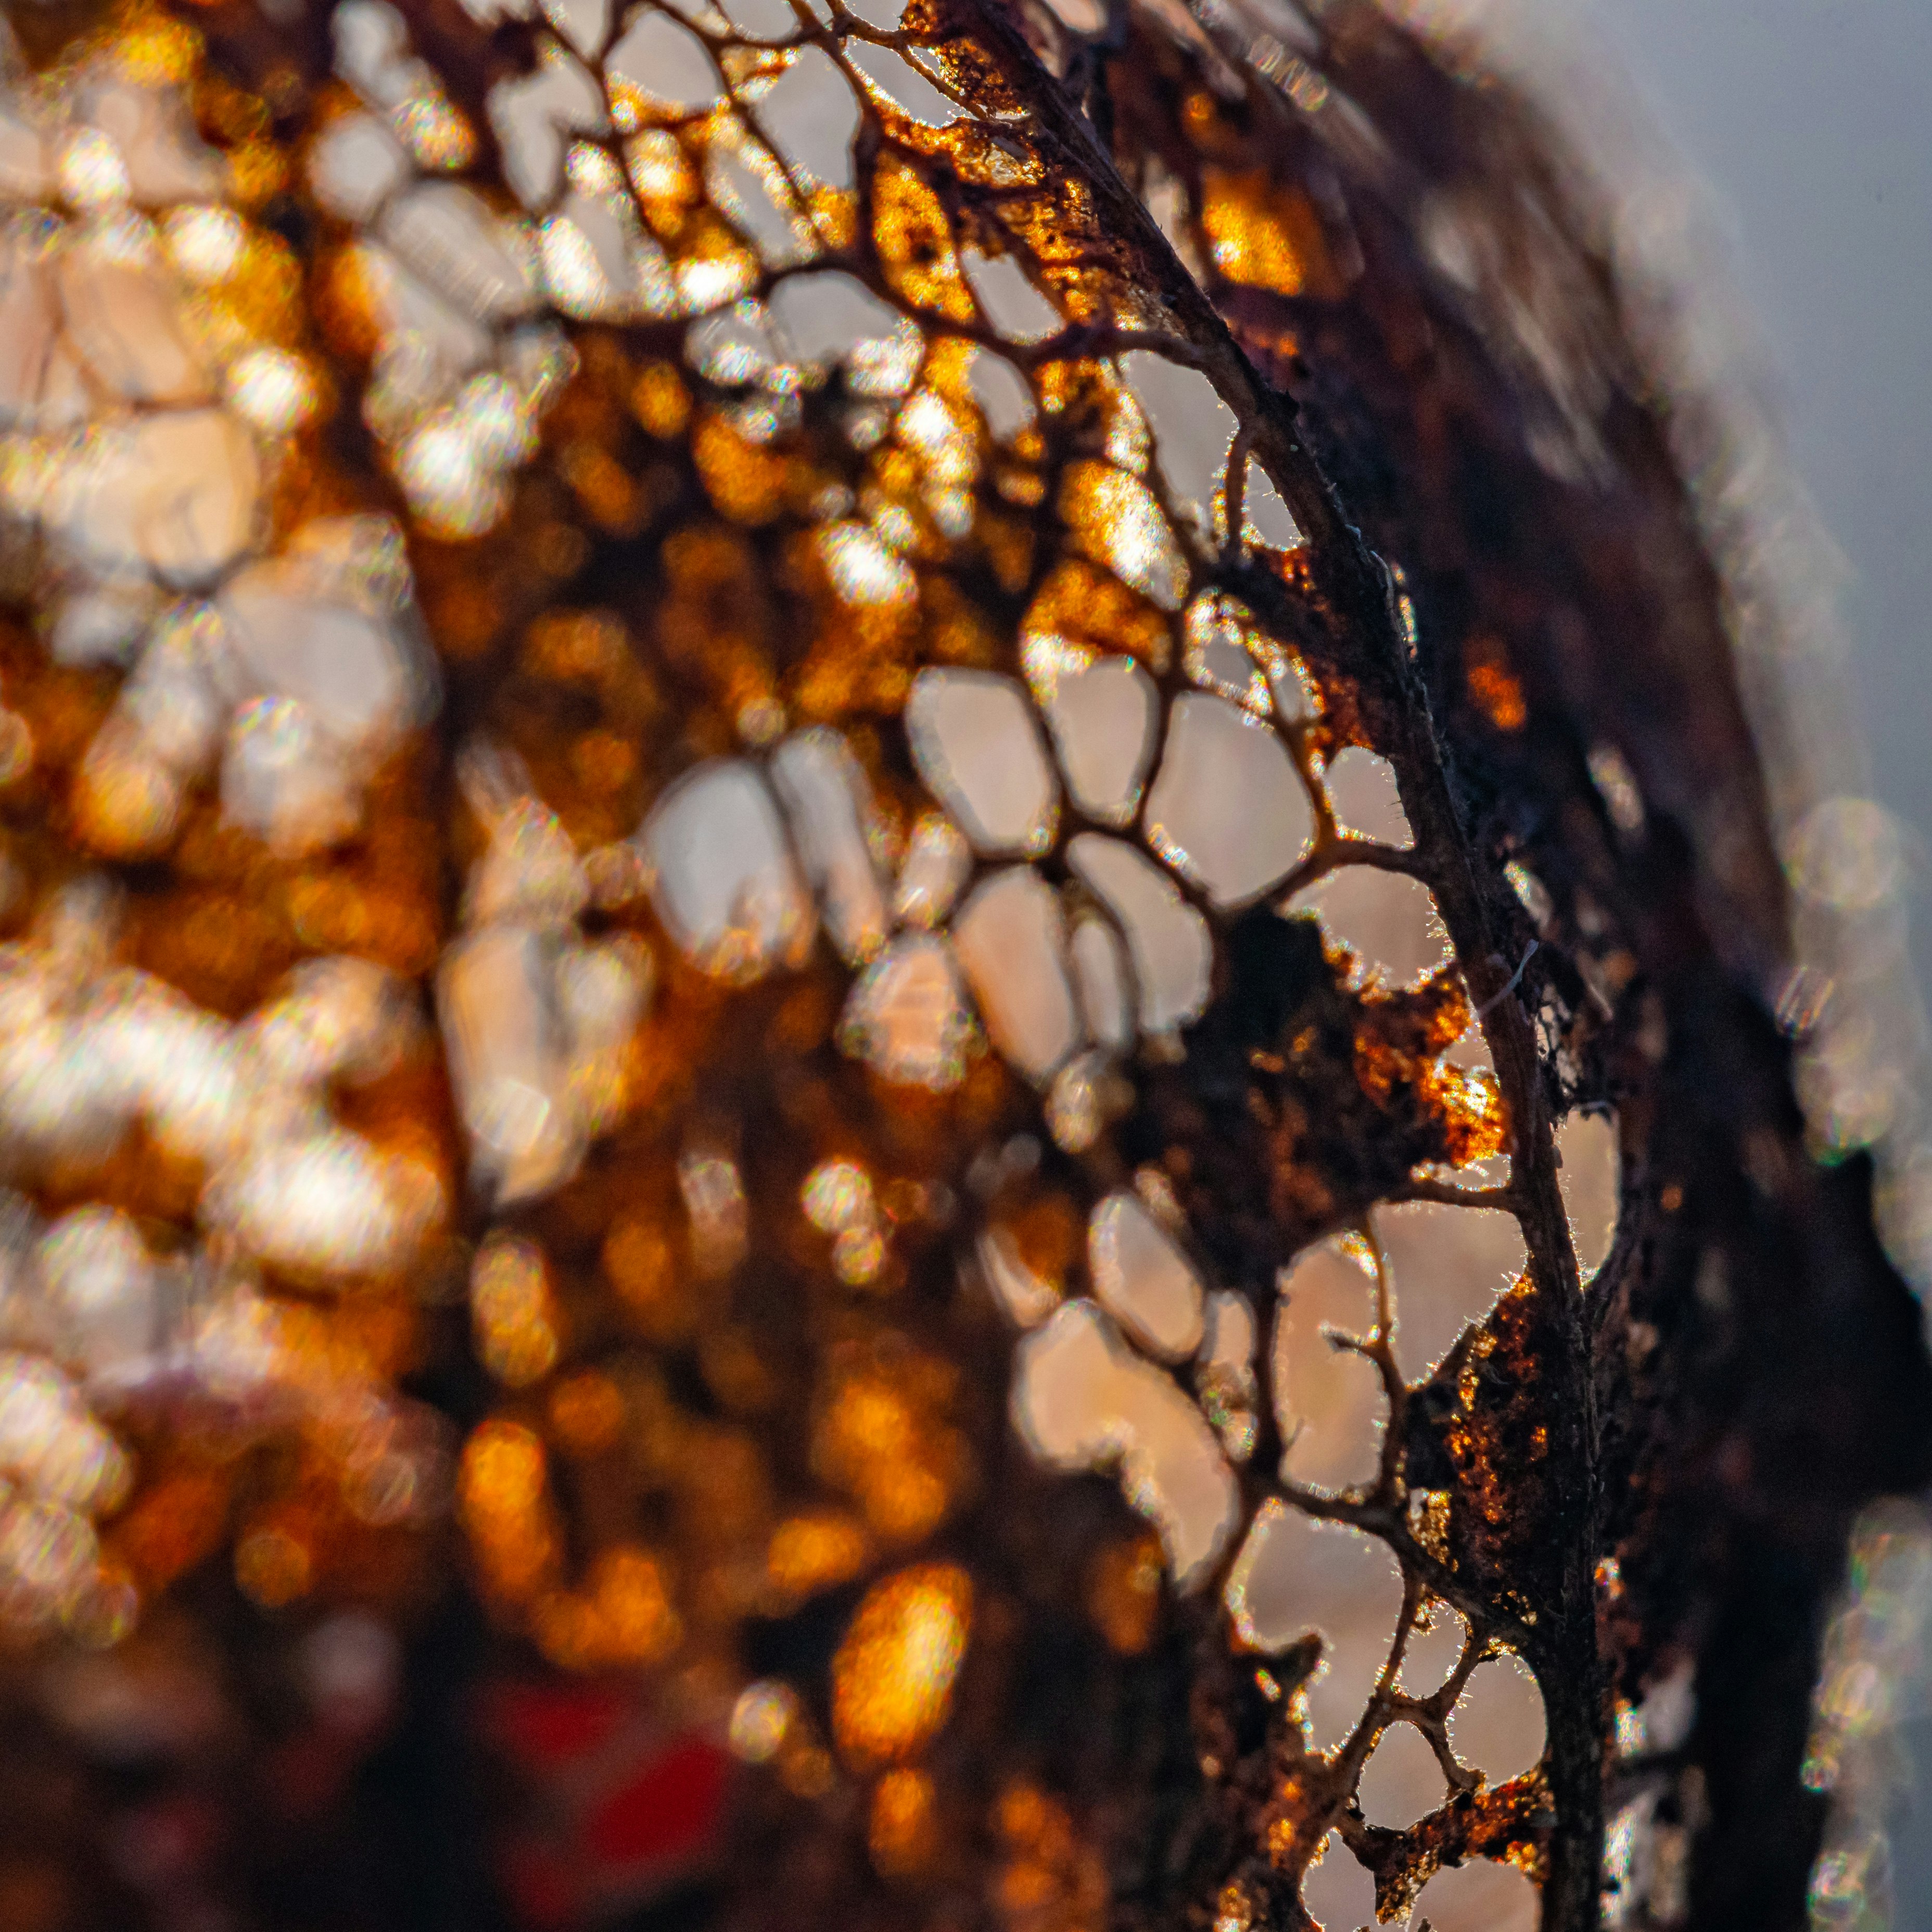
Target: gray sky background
(1811,122)
(1809,119)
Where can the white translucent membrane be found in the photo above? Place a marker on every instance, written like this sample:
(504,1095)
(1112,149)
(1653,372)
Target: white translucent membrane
(124,319)
(1663,1721)
(533,114)
(1080,1100)
(1017,309)
(722,877)
(1106,992)
(1339,1892)
(810,114)
(1498,1726)
(744,185)
(176,494)
(1591,1176)
(1172,952)
(1227,1337)
(1193,431)
(1387,921)
(1011,939)
(1431,1654)
(1364,797)
(1328,1401)
(1102,711)
(978,748)
(1082,1399)
(585,24)
(1026,1300)
(448,235)
(1002,393)
(904,83)
(1295,1575)
(49,1444)
(827,317)
(318,1204)
(1479,1896)
(828,801)
(1401,1780)
(1142,1278)
(666,63)
(906,1016)
(938,863)
(508,1060)
(1265,518)
(99,1285)
(1448,1266)
(1228,808)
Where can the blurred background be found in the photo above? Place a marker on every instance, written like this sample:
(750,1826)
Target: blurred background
(1806,121)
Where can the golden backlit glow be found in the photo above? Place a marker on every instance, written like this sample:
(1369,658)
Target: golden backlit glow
(892,1678)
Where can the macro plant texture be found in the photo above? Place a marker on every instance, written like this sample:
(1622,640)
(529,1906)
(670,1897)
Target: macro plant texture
(898,1023)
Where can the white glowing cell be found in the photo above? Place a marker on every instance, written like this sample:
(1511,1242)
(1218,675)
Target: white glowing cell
(1327,1400)
(340,1017)
(29,326)
(1365,798)
(529,872)
(355,165)
(1079,1101)
(1026,1300)
(666,63)
(1432,1653)
(49,1443)
(902,82)
(1173,955)
(745,186)
(1265,518)
(271,390)
(449,236)
(978,748)
(1082,1399)
(821,316)
(1295,1575)
(1227,1338)
(164,159)
(1478,1896)
(1447,1267)
(1386,921)
(938,863)
(293,633)
(1143,1279)
(1016,309)
(532,114)
(1122,526)
(862,571)
(1102,711)
(124,318)
(100,1280)
(175,493)
(1004,395)
(1228,808)
(1193,430)
(1498,1726)
(1011,939)
(1225,652)
(322,1205)
(1106,991)
(827,798)
(503,1036)
(1401,1780)
(722,876)
(286,779)
(26,164)
(907,1015)
(810,114)
(1339,1891)
(1591,1175)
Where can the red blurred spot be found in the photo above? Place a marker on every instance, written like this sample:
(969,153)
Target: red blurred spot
(664,1815)
(547,1726)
